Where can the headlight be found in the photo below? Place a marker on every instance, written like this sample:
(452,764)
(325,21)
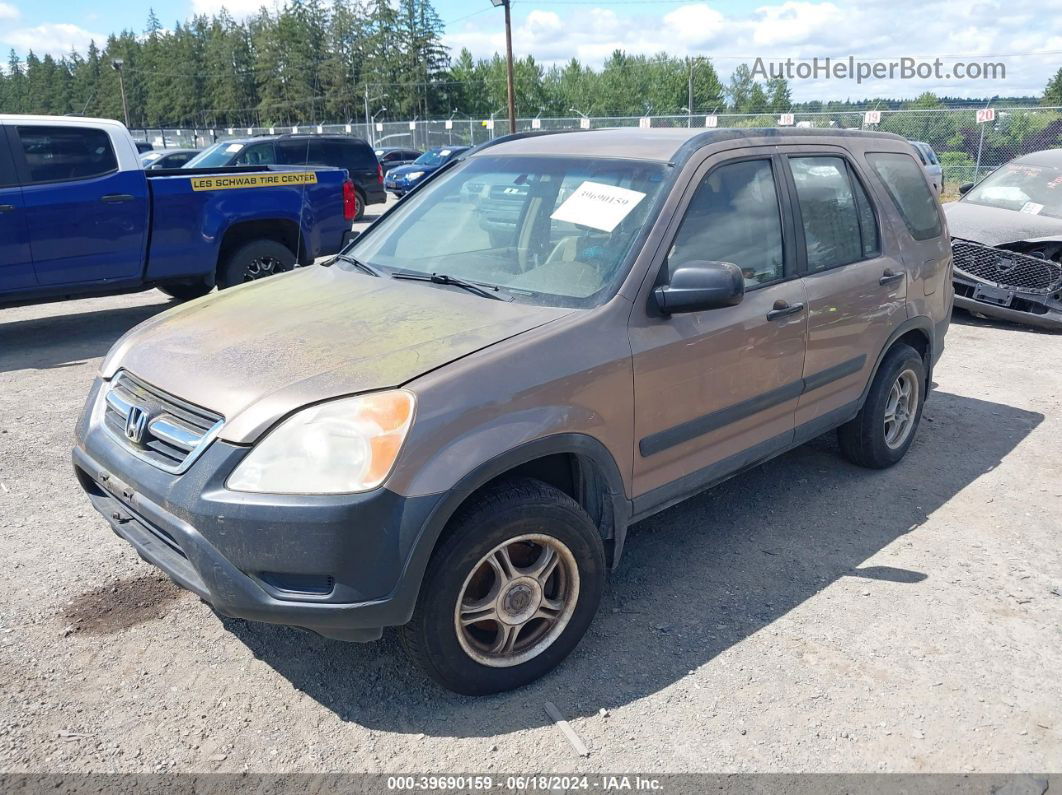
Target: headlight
(338,447)
(415,175)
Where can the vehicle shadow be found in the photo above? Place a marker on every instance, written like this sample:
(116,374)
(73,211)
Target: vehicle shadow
(67,340)
(694,581)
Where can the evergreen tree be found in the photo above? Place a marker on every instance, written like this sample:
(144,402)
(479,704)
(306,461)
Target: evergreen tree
(739,92)
(1053,90)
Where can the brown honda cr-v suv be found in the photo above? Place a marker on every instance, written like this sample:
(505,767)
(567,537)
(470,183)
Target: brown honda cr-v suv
(452,425)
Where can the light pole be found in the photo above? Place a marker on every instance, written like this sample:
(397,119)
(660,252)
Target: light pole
(116,65)
(508,61)
(471,134)
(368,123)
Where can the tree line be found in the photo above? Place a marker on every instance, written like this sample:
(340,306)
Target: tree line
(309,61)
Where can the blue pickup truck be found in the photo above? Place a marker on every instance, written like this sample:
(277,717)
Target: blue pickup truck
(80,216)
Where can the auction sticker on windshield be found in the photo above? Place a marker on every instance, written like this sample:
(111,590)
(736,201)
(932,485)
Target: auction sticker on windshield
(598,206)
(273,180)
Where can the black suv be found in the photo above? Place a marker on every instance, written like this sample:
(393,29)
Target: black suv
(341,151)
(393,156)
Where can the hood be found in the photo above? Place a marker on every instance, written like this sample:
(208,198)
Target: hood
(402,171)
(257,352)
(993,226)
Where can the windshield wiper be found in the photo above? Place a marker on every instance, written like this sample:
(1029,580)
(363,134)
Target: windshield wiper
(357,263)
(442,278)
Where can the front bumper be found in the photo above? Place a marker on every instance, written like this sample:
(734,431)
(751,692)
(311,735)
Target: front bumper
(1012,304)
(339,565)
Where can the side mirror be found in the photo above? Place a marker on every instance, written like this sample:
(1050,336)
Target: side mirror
(965,188)
(701,285)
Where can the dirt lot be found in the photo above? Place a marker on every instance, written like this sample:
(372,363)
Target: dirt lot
(809,616)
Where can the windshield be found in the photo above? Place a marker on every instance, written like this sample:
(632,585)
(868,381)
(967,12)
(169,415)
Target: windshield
(433,158)
(216,156)
(547,230)
(1036,190)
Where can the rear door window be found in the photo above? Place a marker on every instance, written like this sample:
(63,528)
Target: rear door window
(906,183)
(57,154)
(836,215)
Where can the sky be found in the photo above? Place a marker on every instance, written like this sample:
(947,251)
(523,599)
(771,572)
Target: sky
(1023,35)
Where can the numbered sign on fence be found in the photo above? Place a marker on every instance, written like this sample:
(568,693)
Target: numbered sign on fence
(294,130)
(347,128)
(320,128)
(872,117)
(986,114)
(536,124)
(711,121)
(489,124)
(412,125)
(272,131)
(645,122)
(786,120)
(379,126)
(449,124)
(230,131)
(250,130)
(584,124)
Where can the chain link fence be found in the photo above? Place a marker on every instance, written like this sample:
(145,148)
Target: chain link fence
(967,149)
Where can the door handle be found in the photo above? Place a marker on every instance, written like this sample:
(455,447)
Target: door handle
(117,198)
(784,309)
(888,277)
(7,208)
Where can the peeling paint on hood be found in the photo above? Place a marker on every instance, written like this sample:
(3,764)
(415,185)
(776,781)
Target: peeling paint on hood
(257,352)
(993,226)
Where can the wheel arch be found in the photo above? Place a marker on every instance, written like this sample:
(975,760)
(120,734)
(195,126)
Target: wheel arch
(280,230)
(916,332)
(577,464)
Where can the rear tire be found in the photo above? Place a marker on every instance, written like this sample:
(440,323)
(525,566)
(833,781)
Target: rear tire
(359,205)
(255,260)
(885,427)
(524,552)
(186,292)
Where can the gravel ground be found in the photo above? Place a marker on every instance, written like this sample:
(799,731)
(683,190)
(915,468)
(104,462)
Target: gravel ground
(807,616)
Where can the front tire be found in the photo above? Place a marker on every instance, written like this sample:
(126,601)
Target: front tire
(509,592)
(884,429)
(186,292)
(255,260)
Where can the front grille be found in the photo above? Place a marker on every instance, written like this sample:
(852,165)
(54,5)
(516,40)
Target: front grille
(1007,268)
(158,427)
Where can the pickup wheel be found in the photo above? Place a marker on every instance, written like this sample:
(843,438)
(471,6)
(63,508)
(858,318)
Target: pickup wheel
(186,292)
(509,592)
(880,434)
(255,260)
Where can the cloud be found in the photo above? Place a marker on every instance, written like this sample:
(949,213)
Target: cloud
(50,38)
(800,29)
(8,11)
(795,22)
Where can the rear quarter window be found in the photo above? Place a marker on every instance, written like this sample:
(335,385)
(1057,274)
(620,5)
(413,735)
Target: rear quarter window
(906,184)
